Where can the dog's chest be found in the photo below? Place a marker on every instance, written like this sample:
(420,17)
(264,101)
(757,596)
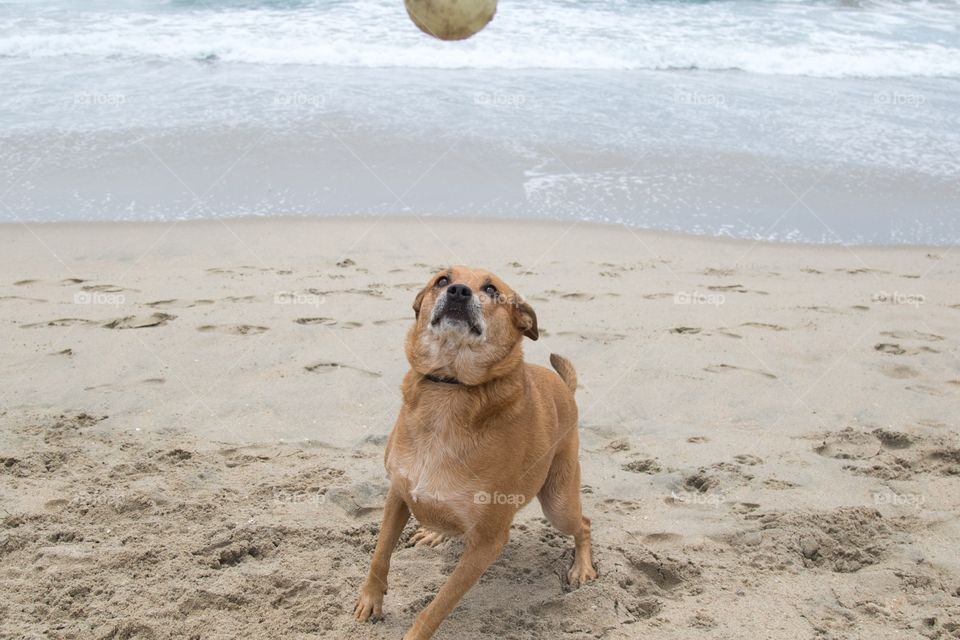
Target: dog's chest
(432,465)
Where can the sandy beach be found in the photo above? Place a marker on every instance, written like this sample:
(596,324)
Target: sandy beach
(193,418)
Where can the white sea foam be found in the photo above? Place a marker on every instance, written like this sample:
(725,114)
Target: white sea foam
(786,37)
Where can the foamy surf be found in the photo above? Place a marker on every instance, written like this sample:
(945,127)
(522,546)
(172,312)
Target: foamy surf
(781,37)
(797,120)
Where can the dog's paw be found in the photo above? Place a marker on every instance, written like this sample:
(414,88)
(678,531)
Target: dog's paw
(425,537)
(369,605)
(581,573)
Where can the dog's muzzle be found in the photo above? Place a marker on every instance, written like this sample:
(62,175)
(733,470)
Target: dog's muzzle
(458,307)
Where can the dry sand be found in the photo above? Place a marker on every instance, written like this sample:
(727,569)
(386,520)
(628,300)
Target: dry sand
(193,418)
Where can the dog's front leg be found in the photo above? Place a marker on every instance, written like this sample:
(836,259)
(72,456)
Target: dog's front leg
(395,516)
(479,553)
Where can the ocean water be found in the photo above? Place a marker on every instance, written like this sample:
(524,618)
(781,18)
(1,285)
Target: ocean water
(803,120)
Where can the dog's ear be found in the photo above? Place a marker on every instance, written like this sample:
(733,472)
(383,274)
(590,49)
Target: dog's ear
(419,300)
(526,319)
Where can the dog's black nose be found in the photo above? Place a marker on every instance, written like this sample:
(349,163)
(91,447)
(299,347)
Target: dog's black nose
(459,292)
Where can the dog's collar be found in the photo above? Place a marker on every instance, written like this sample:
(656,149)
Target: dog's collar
(441,379)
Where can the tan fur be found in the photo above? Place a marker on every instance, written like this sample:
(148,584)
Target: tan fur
(464,458)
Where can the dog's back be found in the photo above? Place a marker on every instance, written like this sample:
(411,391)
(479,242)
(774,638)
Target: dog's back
(553,390)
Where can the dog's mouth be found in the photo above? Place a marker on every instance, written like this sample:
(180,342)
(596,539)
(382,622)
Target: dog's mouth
(455,315)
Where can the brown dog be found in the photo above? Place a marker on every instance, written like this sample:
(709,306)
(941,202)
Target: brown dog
(479,435)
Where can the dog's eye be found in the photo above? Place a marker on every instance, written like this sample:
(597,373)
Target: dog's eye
(442,281)
(490,290)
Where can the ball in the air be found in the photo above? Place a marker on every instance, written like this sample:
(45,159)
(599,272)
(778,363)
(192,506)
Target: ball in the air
(451,19)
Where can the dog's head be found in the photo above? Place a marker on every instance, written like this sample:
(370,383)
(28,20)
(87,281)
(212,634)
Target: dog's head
(469,326)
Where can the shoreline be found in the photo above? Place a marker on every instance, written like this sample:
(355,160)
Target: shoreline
(405,218)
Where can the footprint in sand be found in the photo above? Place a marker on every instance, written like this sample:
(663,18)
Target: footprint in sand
(764,325)
(912,335)
(822,309)
(602,338)
(735,288)
(328,322)
(745,508)
(644,465)
(686,330)
(60,322)
(723,331)
(663,537)
(893,439)
(895,349)
(241,270)
(570,295)
(312,321)
(748,459)
(779,485)
(107,288)
(140,322)
(617,445)
(234,329)
(128,322)
(328,367)
(860,271)
(724,368)
(849,445)
(369,291)
(21,299)
(926,390)
(725,273)
(892,455)
(173,303)
(900,372)
(380,323)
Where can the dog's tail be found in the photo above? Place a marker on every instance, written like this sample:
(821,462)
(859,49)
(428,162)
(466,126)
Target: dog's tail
(565,368)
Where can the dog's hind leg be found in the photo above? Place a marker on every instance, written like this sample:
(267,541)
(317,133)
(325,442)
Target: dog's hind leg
(560,500)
